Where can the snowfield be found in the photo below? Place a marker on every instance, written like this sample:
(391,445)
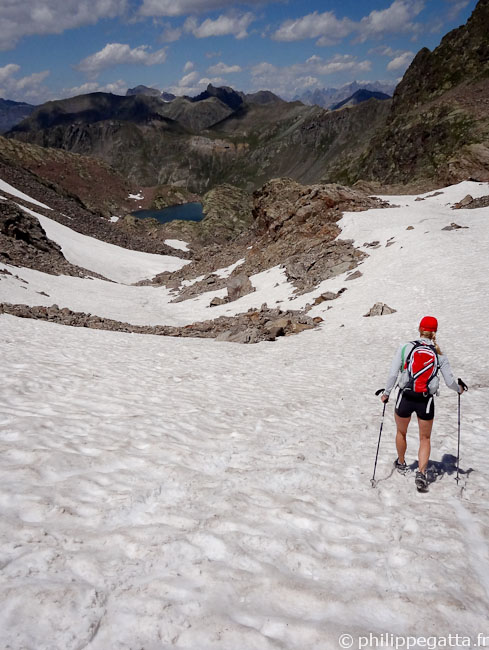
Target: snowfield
(166,493)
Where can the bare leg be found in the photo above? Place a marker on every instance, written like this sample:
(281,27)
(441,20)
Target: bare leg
(425,427)
(401,443)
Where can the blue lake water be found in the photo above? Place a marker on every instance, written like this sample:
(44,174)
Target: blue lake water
(185,212)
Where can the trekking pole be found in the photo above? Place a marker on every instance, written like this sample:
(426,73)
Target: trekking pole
(465,387)
(372,480)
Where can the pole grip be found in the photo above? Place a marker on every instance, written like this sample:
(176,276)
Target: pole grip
(463,384)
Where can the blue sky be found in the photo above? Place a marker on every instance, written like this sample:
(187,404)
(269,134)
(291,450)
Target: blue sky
(51,49)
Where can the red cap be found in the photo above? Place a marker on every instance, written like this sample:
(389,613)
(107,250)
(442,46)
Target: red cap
(428,324)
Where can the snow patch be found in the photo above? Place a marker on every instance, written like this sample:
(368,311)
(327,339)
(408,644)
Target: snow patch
(6,187)
(178,244)
(160,491)
(113,262)
(226,272)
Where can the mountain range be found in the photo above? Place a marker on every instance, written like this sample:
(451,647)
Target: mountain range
(329,97)
(358,97)
(435,129)
(11,113)
(220,136)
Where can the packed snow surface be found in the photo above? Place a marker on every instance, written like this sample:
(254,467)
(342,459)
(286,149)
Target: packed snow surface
(178,244)
(113,262)
(182,493)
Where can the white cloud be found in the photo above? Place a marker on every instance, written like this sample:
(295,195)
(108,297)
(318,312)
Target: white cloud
(32,81)
(7,71)
(26,89)
(457,6)
(230,24)
(222,68)
(395,19)
(329,29)
(192,84)
(188,85)
(170,34)
(324,26)
(385,50)
(26,17)
(188,66)
(117,53)
(290,80)
(182,7)
(401,62)
(117,88)
(215,81)
(189,79)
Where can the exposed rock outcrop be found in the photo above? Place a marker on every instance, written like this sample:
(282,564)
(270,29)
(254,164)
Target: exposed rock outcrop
(88,181)
(294,227)
(165,196)
(380,309)
(228,213)
(23,242)
(251,327)
(70,211)
(239,285)
(438,126)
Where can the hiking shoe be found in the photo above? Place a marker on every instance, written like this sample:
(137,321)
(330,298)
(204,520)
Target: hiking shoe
(401,467)
(421,482)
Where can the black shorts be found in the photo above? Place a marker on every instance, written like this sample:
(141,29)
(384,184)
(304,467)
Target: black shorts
(409,402)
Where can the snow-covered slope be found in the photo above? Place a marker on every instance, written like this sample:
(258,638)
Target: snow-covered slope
(179,493)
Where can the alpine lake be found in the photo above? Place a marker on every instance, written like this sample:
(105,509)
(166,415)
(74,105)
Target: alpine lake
(184,212)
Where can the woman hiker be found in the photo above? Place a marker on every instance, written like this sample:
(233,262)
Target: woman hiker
(418,362)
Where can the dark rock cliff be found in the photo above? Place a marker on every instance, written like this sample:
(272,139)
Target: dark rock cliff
(438,126)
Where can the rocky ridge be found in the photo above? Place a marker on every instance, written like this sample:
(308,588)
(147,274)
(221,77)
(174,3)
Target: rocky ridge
(88,181)
(438,125)
(294,226)
(220,137)
(23,242)
(70,211)
(291,225)
(251,327)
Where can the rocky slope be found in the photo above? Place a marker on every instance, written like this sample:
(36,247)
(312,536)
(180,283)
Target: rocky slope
(88,180)
(219,137)
(23,242)
(438,126)
(70,210)
(285,224)
(358,97)
(293,226)
(328,97)
(435,129)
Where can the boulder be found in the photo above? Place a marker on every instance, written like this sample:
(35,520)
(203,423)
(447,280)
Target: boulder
(239,285)
(216,301)
(454,226)
(380,309)
(327,295)
(467,200)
